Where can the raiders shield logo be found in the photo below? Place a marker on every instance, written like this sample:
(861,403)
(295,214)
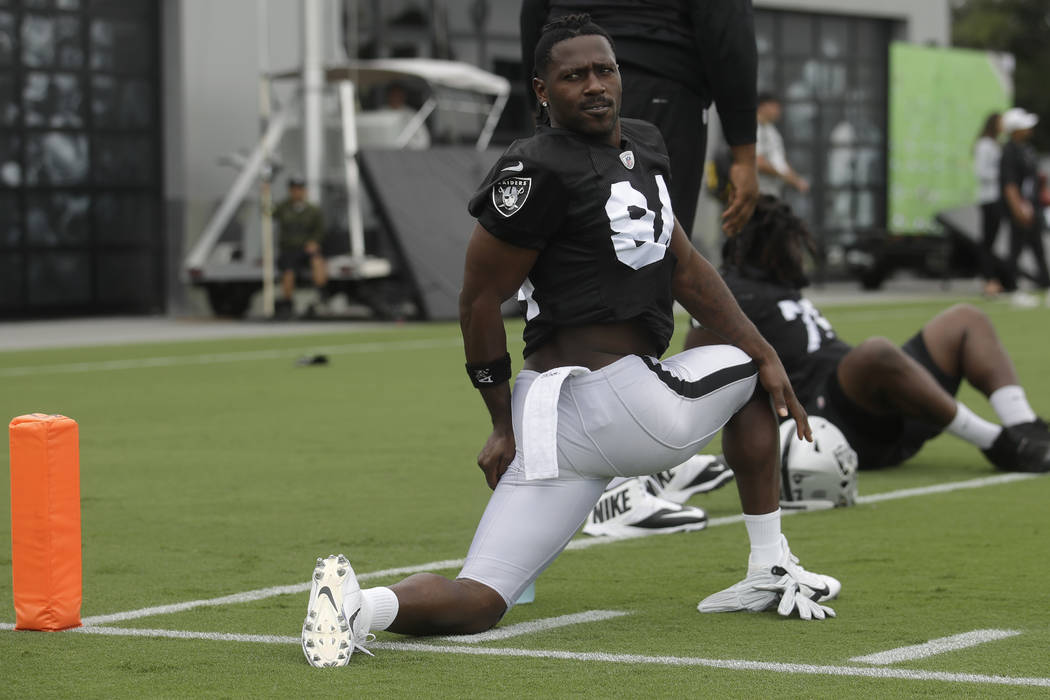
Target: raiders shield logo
(509,194)
(627,158)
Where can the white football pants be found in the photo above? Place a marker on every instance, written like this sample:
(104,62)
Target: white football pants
(636,416)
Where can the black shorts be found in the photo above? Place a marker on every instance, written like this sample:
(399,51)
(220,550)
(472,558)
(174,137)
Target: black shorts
(293,259)
(881,441)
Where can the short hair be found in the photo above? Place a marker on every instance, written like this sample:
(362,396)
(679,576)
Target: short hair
(773,241)
(560,29)
(764,97)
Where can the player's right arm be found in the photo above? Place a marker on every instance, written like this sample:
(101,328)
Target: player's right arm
(492,273)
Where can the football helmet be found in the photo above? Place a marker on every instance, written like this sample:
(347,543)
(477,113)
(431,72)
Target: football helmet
(818,474)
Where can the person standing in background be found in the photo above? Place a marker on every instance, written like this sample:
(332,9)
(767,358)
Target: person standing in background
(773,168)
(987,152)
(1019,183)
(676,58)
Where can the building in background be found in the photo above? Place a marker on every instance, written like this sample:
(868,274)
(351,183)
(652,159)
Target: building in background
(116,118)
(80,157)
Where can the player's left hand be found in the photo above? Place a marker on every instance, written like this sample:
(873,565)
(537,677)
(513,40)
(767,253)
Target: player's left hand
(775,381)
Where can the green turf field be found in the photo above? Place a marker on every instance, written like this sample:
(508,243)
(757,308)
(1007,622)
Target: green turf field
(221,469)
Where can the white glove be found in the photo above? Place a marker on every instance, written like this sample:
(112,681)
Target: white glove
(798,596)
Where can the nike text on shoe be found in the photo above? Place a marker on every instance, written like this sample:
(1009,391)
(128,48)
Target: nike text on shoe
(784,585)
(1021,448)
(329,636)
(629,510)
(698,474)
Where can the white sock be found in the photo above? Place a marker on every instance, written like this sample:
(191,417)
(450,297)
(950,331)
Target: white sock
(972,428)
(379,607)
(1011,405)
(764,533)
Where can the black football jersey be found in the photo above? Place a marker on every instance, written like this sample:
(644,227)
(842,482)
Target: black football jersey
(803,338)
(601,218)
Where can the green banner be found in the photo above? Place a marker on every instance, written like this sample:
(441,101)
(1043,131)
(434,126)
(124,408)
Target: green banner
(939,98)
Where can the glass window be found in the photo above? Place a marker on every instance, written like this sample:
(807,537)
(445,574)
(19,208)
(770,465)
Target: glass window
(10,160)
(834,37)
(59,278)
(764,36)
(56,158)
(813,77)
(8,101)
(122,160)
(871,38)
(59,219)
(799,121)
(121,103)
(51,42)
(125,218)
(53,100)
(120,46)
(796,34)
(767,75)
(127,275)
(8,39)
(119,8)
(10,220)
(11,269)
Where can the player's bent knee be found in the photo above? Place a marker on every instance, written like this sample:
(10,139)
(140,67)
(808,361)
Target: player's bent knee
(878,353)
(966,315)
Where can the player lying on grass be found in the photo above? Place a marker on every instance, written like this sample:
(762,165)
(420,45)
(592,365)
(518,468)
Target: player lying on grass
(887,400)
(577,219)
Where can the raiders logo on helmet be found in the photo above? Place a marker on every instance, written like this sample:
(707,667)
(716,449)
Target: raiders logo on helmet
(509,194)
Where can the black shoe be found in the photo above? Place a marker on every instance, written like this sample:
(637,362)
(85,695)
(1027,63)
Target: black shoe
(1035,430)
(1017,449)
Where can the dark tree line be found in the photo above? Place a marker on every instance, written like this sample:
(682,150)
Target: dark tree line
(1019,27)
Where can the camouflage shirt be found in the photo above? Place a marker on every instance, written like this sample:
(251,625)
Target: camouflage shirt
(299,223)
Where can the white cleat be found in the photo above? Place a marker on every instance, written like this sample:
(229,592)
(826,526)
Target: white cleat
(698,474)
(785,585)
(329,635)
(629,510)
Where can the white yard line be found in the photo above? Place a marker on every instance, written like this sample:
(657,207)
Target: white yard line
(547,623)
(947,487)
(260,594)
(577,544)
(633,659)
(935,646)
(223,357)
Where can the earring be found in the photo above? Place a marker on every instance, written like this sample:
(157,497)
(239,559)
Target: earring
(544,104)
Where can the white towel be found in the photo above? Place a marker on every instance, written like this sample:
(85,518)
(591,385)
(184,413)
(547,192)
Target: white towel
(539,423)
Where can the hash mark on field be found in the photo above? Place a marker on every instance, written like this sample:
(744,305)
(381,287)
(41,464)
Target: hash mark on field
(547,623)
(935,646)
(600,657)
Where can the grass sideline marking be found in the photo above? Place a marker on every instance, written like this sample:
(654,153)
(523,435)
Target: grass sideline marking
(941,645)
(577,544)
(547,623)
(601,657)
(221,357)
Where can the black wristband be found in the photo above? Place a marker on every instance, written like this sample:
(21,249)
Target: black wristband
(483,374)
